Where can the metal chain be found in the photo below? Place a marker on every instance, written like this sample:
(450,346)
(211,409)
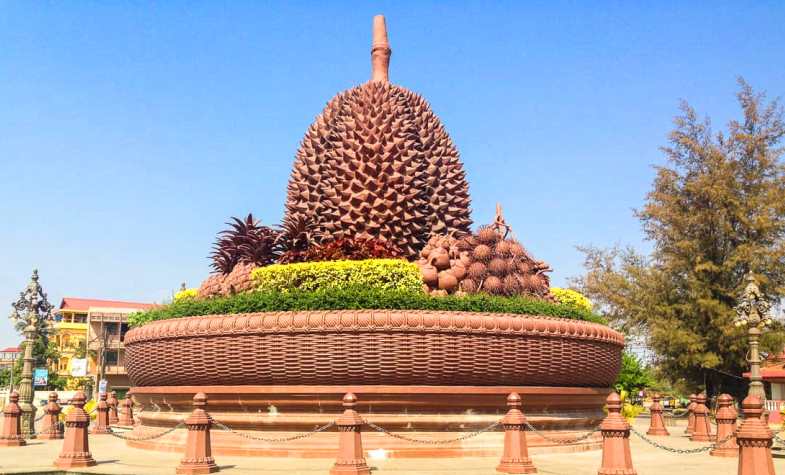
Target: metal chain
(145,437)
(681,451)
(683,414)
(272,440)
(432,442)
(563,441)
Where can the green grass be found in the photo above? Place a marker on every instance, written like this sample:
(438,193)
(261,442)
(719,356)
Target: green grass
(344,299)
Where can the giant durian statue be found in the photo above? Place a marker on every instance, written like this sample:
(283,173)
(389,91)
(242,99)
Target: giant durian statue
(378,163)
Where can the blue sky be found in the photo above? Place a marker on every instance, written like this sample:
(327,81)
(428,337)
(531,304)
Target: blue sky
(130,132)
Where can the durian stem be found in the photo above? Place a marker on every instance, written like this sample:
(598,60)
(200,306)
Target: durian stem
(380,51)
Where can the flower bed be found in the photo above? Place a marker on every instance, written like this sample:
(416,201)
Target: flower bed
(359,298)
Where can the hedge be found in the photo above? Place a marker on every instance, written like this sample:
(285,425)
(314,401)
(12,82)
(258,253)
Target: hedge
(382,274)
(358,298)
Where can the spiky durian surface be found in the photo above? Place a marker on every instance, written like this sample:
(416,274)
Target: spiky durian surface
(378,163)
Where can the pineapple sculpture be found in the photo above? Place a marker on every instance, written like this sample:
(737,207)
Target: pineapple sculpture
(377,163)
(488,261)
(241,248)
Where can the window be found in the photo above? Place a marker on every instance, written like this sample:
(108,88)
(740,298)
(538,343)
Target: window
(110,328)
(111,358)
(123,331)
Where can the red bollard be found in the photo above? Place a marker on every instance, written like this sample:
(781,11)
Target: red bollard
(616,458)
(50,426)
(12,424)
(76,448)
(351,459)
(691,415)
(101,425)
(657,425)
(754,439)
(726,426)
(198,451)
(515,458)
(702,431)
(113,402)
(127,411)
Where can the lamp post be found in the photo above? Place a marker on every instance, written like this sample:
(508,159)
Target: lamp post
(31,315)
(753,312)
(26,383)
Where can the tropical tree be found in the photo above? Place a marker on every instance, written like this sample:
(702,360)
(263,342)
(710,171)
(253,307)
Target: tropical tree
(716,212)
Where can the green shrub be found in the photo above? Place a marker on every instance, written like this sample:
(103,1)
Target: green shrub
(358,298)
(385,274)
(571,297)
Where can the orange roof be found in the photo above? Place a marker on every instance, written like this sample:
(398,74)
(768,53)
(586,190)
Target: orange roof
(10,349)
(73,303)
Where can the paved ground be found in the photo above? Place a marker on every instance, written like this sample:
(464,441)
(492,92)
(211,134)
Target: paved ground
(114,457)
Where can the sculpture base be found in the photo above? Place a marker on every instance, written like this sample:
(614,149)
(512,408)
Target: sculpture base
(421,412)
(15,442)
(77,461)
(197,468)
(521,466)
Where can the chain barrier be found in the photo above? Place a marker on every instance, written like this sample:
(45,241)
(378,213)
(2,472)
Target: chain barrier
(573,440)
(432,442)
(680,451)
(673,414)
(145,437)
(272,440)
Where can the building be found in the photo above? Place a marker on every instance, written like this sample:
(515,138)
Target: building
(8,356)
(70,337)
(773,373)
(90,336)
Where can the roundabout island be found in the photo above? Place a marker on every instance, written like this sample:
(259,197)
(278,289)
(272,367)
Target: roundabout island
(373,284)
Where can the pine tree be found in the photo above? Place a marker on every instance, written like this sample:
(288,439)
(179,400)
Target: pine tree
(716,212)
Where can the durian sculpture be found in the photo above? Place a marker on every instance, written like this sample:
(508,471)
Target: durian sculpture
(377,163)
(488,261)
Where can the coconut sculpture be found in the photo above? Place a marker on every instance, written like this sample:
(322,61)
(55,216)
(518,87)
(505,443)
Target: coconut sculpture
(376,174)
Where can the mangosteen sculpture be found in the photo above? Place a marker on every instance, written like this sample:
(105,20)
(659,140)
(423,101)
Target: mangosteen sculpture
(378,163)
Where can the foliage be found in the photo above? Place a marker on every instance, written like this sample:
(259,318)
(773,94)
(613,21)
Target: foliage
(357,298)
(393,274)
(44,351)
(296,236)
(72,383)
(716,211)
(5,377)
(629,410)
(245,241)
(634,376)
(571,297)
(343,249)
(186,294)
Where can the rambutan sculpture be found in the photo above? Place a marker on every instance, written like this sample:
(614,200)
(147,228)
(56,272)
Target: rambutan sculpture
(378,163)
(488,261)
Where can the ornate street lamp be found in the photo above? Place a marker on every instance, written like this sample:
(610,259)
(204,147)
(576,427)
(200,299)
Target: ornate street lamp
(754,312)
(31,314)
(26,382)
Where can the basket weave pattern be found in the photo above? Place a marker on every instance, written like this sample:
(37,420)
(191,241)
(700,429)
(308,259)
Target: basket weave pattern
(386,347)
